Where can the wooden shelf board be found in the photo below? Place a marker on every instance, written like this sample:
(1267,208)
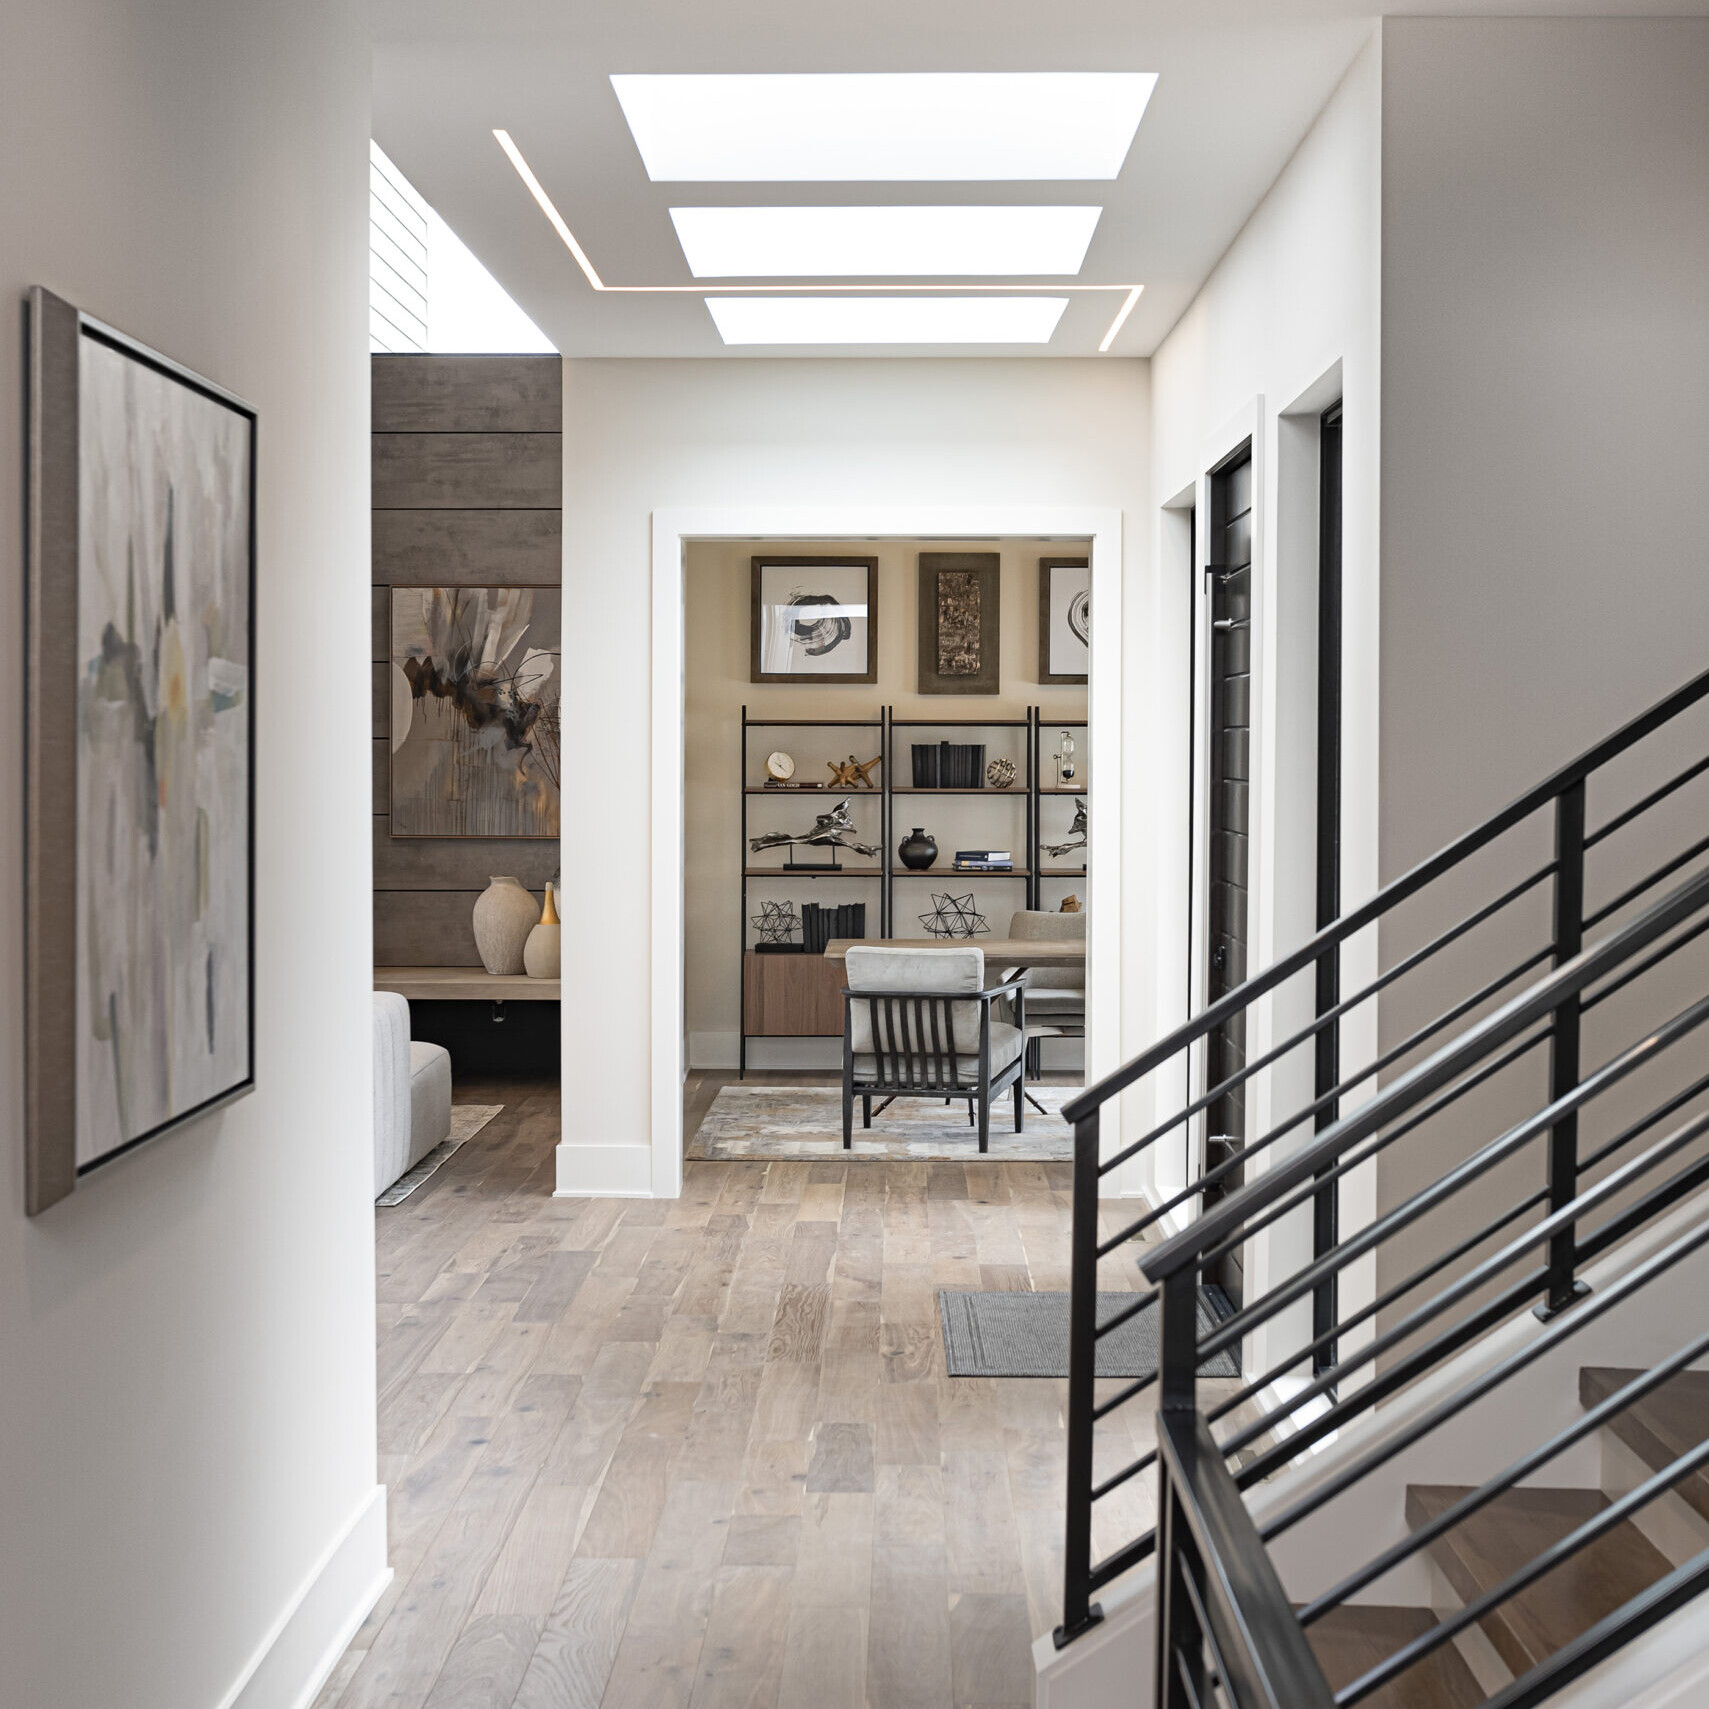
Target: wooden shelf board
(812,724)
(1062,872)
(950,872)
(1053,789)
(959,724)
(811,789)
(779,872)
(463,985)
(1010,794)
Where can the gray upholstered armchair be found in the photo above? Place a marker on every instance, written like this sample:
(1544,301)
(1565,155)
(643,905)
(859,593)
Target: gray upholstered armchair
(1056,996)
(921,1023)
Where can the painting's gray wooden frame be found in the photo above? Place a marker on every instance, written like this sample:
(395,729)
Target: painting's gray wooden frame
(1045,566)
(56,334)
(812,679)
(988,567)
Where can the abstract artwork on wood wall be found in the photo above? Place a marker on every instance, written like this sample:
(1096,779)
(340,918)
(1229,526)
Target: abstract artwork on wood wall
(476,677)
(960,623)
(141,749)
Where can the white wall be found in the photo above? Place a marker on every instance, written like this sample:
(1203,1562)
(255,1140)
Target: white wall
(186,1344)
(639,436)
(1286,323)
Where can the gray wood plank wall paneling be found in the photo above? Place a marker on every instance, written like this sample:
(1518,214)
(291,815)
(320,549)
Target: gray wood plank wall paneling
(467,493)
(467,471)
(458,863)
(469,548)
(468,394)
(425,928)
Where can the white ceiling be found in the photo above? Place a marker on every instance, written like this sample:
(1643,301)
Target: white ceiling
(1240,82)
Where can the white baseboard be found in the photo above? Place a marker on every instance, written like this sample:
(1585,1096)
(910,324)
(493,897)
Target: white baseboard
(315,1627)
(605,1172)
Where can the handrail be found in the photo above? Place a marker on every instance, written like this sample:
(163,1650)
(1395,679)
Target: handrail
(1436,1071)
(1394,892)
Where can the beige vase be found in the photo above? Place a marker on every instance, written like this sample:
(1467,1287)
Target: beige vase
(504,916)
(542,955)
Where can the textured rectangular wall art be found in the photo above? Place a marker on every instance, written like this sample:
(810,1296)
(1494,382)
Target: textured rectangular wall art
(960,623)
(141,747)
(476,677)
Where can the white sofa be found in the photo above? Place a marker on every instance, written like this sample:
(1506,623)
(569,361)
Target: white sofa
(412,1092)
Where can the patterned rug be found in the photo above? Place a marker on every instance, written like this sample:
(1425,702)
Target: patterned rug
(466,1121)
(807,1122)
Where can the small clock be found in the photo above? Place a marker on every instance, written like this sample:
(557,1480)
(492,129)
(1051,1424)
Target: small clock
(779,768)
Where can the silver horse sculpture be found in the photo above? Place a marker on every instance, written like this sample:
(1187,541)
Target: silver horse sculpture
(1076,833)
(830,830)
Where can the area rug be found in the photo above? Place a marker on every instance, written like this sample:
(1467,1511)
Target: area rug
(466,1121)
(1026,1335)
(807,1122)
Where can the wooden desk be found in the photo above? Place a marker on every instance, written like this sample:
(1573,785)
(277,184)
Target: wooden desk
(464,985)
(999,952)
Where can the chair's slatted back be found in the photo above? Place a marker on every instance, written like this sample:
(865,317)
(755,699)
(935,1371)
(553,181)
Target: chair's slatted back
(913,1042)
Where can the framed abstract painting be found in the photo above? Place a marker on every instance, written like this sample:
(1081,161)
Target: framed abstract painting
(140,738)
(1064,619)
(476,678)
(814,620)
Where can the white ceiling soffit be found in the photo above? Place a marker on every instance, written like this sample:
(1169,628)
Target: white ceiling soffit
(1233,95)
(886,320)
(854,243)
(883,127)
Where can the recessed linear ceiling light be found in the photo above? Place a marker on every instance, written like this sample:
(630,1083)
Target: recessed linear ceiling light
(855,242)
(886,320)
(860,127)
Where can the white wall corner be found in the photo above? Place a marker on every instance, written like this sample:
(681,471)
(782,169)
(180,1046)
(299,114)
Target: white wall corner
(315,1627)
(607,1171)
(1109,1667)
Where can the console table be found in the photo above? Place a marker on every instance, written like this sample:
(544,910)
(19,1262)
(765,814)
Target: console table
(464,985)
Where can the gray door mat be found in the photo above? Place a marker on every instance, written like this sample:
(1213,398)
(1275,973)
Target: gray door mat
(1026,1335)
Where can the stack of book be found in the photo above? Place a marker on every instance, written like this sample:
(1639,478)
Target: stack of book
(984,860)
(949,765)
(820,925)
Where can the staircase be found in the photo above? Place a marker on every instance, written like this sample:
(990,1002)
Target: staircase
(1466,1460)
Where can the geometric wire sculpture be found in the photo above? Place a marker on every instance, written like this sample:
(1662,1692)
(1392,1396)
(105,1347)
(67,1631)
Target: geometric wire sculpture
(776,922)
(954,917)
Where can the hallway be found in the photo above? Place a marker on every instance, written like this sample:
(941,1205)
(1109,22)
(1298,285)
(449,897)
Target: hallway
(644,1454)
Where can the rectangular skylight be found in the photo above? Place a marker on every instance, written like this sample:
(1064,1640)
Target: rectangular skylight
(994,319)
(858,127)
(801,243)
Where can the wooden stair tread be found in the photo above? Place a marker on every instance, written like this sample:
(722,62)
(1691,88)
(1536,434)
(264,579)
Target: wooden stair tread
(1669,1421)
(1512,1531)
(1349,1641)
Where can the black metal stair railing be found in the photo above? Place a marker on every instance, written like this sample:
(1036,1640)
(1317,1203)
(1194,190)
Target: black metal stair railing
(1203,1608)
(1547,1043)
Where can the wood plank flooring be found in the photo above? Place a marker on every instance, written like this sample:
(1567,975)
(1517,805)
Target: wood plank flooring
(703,1453)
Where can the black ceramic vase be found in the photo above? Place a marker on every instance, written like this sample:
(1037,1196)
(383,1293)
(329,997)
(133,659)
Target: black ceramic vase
(918,851)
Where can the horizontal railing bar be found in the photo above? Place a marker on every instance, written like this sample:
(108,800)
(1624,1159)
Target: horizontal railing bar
(1588,1310)
(1665,870)
(1635,1216)
(1429,1076)
(1652,959)
(1620,820)
(1117,1479)
(1391,894)
(1660,1113)
(1481,1161)
(1324,1101)
(1117,1319)
(1125,1558)
(1380,1303)
(1523,1467)
(1137,1387)
(1378,1144)
(1330,1016)
(1598,1525)
(1631,1620)
(1487,1271)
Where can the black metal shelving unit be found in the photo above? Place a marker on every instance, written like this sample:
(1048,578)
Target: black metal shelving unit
(1035,762)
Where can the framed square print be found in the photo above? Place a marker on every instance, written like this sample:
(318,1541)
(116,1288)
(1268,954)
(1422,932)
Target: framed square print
(1064,619)
(815,620)
(140,742)
(960,623)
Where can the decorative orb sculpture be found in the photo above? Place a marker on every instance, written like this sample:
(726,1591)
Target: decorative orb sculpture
(1000,773)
